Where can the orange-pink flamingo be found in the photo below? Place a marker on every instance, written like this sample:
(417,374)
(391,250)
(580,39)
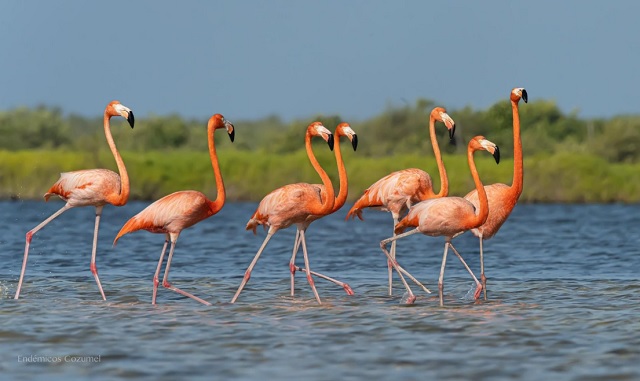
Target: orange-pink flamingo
(293,204)
(502,197)
(89,187)
(343,129)
(180,210)
(446,216)
(399,190)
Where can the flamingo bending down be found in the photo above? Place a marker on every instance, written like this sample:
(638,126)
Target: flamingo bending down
(343,129)
(502,197)
(293,204)
(399,190)
(180,210)
(96,187)
(446,216)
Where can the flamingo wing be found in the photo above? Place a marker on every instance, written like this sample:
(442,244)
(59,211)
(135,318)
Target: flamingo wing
(85,187)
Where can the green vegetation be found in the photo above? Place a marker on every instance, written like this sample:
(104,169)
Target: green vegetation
(567,159)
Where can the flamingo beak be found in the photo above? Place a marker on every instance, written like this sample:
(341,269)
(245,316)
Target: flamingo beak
(330,141)
(231,130)
(452,131)
(496,155)
(354,141)
(130,118)
(524,96)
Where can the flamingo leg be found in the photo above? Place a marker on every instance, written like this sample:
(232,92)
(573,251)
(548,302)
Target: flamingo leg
(29,236)
(394,263)
(156,282)
(478,284)
(483,278)
(441,278)
(346,286)
(94,268)
(165,279)
(393,254)
(247,274)
(307,268)
(400,268)
(292,266)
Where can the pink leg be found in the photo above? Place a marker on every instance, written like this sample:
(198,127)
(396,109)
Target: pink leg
(307,268)
(292,266)
(156,282)
(394,263)
(476,295)
(29,236)
(346,287)
(93,267)
(165,279)
(397,265)
(247,274)
(482,277)
(441,278)
(393,254)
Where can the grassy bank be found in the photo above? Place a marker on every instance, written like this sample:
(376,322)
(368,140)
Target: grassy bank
(250,176)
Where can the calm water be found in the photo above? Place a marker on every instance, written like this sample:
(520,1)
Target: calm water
(563,303)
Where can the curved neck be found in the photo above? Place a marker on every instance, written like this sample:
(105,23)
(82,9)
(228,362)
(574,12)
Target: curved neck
(444,181)
(123,194)
(221,195)
(516,184)
(483,210)
(325,207)
(342,173)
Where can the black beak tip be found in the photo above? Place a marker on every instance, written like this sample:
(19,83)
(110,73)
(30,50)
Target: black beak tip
(131,119)
(354,142)
(525,97)
(330,141)
(232,135)
(496,155)
(452,131)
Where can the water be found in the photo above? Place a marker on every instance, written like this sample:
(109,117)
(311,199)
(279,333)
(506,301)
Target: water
(563,301)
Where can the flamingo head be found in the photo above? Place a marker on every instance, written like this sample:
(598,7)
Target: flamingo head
(115,108)
(440,114)
(219,121)
(318,129)
(519,93)
(344,129)
(478,143)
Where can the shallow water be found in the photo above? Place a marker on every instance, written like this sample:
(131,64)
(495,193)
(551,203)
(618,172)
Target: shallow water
(563,300)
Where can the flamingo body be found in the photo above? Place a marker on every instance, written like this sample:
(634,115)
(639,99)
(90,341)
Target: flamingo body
(180,210)
(91,187)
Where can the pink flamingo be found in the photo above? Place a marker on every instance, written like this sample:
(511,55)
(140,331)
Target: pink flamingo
(502,197)
(180,210)
(96,187)
(399,190)
(343,129)
(293,204)
(446,216)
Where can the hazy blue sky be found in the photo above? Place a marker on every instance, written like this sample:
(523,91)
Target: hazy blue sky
(249,59)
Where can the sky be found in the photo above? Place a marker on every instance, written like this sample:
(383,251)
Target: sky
(299,59)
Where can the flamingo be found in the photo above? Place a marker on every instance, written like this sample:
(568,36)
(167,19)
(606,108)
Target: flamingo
(502,197)
(96,187)
(446,216)
(180,210)
(399,190)
(293,204)
(343,129)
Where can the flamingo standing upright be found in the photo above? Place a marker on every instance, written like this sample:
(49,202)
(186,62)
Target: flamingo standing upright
(89,187)
(502,197)
(343,129)
(293,204)
(399,190)
(180,210)
(446,216)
